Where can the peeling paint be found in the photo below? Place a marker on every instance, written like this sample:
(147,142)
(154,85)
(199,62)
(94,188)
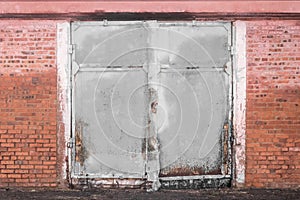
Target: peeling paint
(63,85)
(152,162)
(154,107)
(112,183)
(239,93)
(187,171)
(196,183)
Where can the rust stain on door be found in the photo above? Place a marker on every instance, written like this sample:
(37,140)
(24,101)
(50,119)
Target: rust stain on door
(187,171)
(225,148)
(80,149)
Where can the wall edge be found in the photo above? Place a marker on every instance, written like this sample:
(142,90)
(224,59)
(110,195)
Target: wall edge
(239,104)
(63,98)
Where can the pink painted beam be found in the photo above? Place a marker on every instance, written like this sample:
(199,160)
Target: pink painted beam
(31,7)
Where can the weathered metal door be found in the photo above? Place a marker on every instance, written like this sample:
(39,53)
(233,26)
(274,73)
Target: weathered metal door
(150,99)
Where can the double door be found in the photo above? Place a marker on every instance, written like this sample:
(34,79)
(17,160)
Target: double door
(150,99)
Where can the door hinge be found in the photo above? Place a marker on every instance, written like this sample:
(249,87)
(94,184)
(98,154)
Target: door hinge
(71,48)
(232,50)
(70,143)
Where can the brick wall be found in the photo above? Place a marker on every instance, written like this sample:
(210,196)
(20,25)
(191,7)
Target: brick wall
(273,104)
(28,103)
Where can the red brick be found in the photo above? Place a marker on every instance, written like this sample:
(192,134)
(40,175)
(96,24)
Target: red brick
(7,144)
(21,171)
(22,181)
(27,166)
(14,175)
(7,171)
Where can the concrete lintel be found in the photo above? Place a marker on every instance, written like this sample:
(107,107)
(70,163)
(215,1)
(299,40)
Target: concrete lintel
(210,6)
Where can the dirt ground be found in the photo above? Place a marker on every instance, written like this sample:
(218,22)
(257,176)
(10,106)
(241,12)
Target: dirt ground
(6,194)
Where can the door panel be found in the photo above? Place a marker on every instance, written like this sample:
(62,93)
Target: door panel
(196,107)
(112,135)
(109,46)
(110,100)
(182,46)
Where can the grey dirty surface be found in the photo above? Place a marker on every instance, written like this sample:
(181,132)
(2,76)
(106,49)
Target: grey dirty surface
(24,194)
(120,69)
